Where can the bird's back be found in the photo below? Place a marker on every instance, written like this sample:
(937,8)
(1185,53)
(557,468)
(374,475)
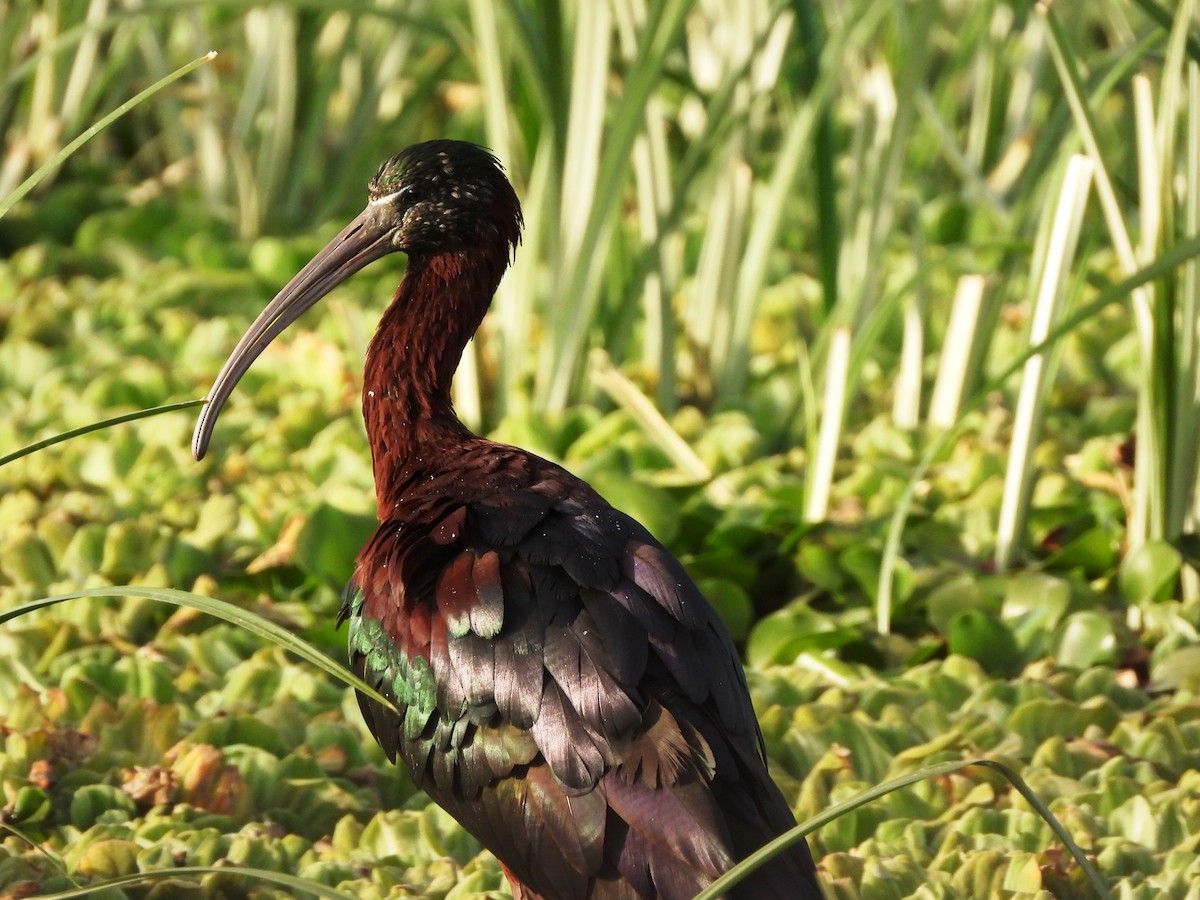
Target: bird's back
(567,693)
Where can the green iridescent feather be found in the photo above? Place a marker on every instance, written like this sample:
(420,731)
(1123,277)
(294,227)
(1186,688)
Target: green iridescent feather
(408,681)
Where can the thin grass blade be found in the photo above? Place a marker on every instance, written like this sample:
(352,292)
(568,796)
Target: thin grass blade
(719,887)
(96,426)
(55,161)
(234,615)
(302,886)
(1039,369)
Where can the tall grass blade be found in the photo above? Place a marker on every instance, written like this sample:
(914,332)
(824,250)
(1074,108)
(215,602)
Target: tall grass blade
(1148,518)
(958,351)
(514,297)
(1180,254)
(1188,406)
(764,230)
(652,174)
(1146,515)
(716,271)
(83,68)
(812,37)
(578,288)
(1038,374)
(906,403)
(1178,199)
(833,406)
(1167,17)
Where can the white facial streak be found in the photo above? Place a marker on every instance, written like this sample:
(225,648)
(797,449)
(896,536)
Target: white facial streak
(388,198)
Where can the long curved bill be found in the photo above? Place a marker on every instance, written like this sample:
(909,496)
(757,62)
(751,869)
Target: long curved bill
(363,241)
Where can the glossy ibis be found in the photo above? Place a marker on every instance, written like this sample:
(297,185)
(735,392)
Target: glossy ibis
(568,694)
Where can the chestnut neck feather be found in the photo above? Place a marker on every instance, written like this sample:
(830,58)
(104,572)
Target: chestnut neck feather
(411,361)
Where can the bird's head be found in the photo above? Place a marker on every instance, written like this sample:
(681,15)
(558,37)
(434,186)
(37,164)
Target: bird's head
(442,195)
(431,198)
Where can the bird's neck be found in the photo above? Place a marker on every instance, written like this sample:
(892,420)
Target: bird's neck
(411,361)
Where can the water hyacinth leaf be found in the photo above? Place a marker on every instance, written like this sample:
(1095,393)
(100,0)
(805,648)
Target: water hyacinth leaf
(234,615)
(252,683)
(731,602)
(784,635)
(334,746)
(259,852)
(392,833)
(1034,604)
(819,564)
(1023,874)
(93,800)
(314,806)
(1045,718)
(869,756)
(242,730)
(733,544)
(30,805)
(849,830)
(147,678)
(1178,670)
(27,561)
(1094,552)
(215,520)
(982,875)
(1035,592)
(862,564)
(329,541)
(650,505)
(985,639)
(953,597)
(1138,821)
(1084,639)
(330,874)
(1149,573)
(443,837)
(109,859)
(1183,867)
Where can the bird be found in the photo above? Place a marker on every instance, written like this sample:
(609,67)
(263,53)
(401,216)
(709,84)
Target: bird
(559,683)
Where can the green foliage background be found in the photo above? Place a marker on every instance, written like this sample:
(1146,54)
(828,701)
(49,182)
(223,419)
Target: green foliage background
(715,192)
